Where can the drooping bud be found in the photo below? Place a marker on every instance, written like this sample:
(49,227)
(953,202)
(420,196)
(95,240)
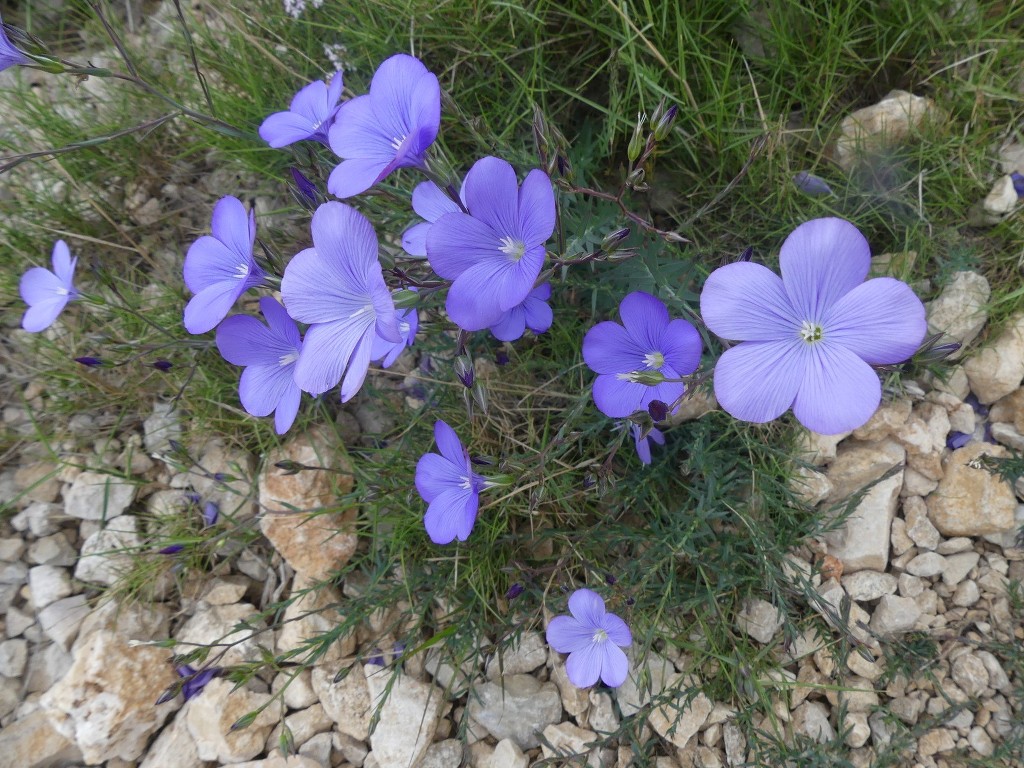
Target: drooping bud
(89,362)
(305,192)
(658,410)
(163,365)
(210,513)
(811,185)
(613,240)
(636,142)
(514,591)
(464,370)
(663,124)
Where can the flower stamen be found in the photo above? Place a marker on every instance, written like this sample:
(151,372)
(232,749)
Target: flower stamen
(811,332)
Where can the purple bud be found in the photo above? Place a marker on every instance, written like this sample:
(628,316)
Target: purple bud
(501,357)
(193,498)
(464,370)
(979,408)
(172,549)
(658,410)
(613,240)
(610,580)
(811,185)
(305,192)
(564,167)
(630,601)
(957,440)
(376,658)
(91,362)
(174,445)
(748,253)
(210,513)
(664,123)
(514,591)
(589,481)
(1018,183)
(195,682)
(163,365)
(220,477)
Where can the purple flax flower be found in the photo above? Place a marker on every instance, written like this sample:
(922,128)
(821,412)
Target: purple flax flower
(450,487)
(532,313)
(338,287)
(643,446)
(811,336)
(593,639)
(195,681)
(211,511)
(269,354)
(633,359)
(431,203)
(310,116)
(46,292)
(220,267)
(495,252)
(390,127)
(386,352)
(9,55)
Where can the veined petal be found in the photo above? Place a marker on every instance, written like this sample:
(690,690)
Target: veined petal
(282,327)
(435,475)
(881,321)
(63,264)
(747,302)
(511,326)
(343,234)
(758,380)
(538,314)
(587,606)
(358,365)
(616,628)
(583,667)
(234,227)
(393,92)
(645,318)
(617,398)
(425,111)
(287,409)
(431,203)
(821,261)
(355,176)
(608,348)
(41,315)
(283,128)
(839,391)
(615,667)
(451,515)
(311,102)
(681,345)
(244,340)
(448,444)
(357,133)
(536,208)
(210,305)
(643,447)
(471,303)
(41,285)
(457,241)
(326,351)
(262,387)
(414,239)
(492,195)
(567,635)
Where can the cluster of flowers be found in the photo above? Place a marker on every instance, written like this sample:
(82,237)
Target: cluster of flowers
(807,339)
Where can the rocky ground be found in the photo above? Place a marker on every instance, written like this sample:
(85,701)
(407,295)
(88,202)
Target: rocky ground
(930,549)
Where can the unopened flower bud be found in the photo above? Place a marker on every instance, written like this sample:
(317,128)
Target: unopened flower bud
(564,167)
(514,591)
(210,513)
(635,178)
(658,410)
(748,254)
(614,239)
(90,362)
(636,142)
(305,192)
(663,124)
(464,370)
(480,396)
(290,467)
(163,365)
(811,185)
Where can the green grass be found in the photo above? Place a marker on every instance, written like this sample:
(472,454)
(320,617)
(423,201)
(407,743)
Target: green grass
(676,547)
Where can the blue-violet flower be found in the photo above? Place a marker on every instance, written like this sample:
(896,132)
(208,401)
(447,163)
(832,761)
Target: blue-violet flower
(643,445)
(450,487)
(533,313)
(594,640)
(46,292)
(310,115)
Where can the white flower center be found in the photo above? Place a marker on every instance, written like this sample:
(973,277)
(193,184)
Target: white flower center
(654,359)
(62,291)
(362,311)
(811,332)
(466,484)
(288,359)
(403,327)
(512,248)
(242,271)
(396,142)
(600,636)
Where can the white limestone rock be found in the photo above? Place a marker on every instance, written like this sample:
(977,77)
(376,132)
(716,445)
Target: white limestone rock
(518,707)
(98,496)
(895,615)
(209,718)
(530,652)
(106,554)
(408,717)
(997,369)
(960,310)
(759,619)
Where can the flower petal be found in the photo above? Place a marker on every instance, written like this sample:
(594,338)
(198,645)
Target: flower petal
(63,264)
(618,398)
(431,203)
(758,380)
(41,315)
(618,631)
(283,128)
(358,366)
(457,241)
(588,607)
(393,91)
(414,239)
(210,305)
(839,391)
(645,318)
(583,667)
(435,475)
(492,195)
(234,227)
(747,302)
(476,296)
(357,133)
(448,444)
(536,208)
(608,348)
(451,515)
(210,261)
(881,321)
(539,316)
(262,387)
(287,409)
(355,176)
(244,340)
(821,261)
(511,325)
(681,345)
(566,635)
(40,285)
(311,102)
(282,327)
(615,666)
(326,351)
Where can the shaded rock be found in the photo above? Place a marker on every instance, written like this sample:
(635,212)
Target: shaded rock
(926,565)
(38,481)
(312,614)
(106,698)
(517,707)
(443,754)
(575,700)
(958,566)
(34,742)
(889,417)
(13,656)
(209,718)
(631,695)
(408,718)
(60,621)
(506,755)
(346,702)
(227,480)
(997,370)
(173,748)
(886,124)
(602,714)
(1001,199)
(817,449)
(530,652)
(759,619)
(106,554)
(680,721)
(52,550)
(895,615)
(809,486)
(566,740)
(968,671)
(161,427)
(919,527)
(216,624)
(971,501)
(48,584)
(960,311)
(292,761)
(811,719)
(98,496)
(859,464)
(862,541)
(864,586)
(131,620)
